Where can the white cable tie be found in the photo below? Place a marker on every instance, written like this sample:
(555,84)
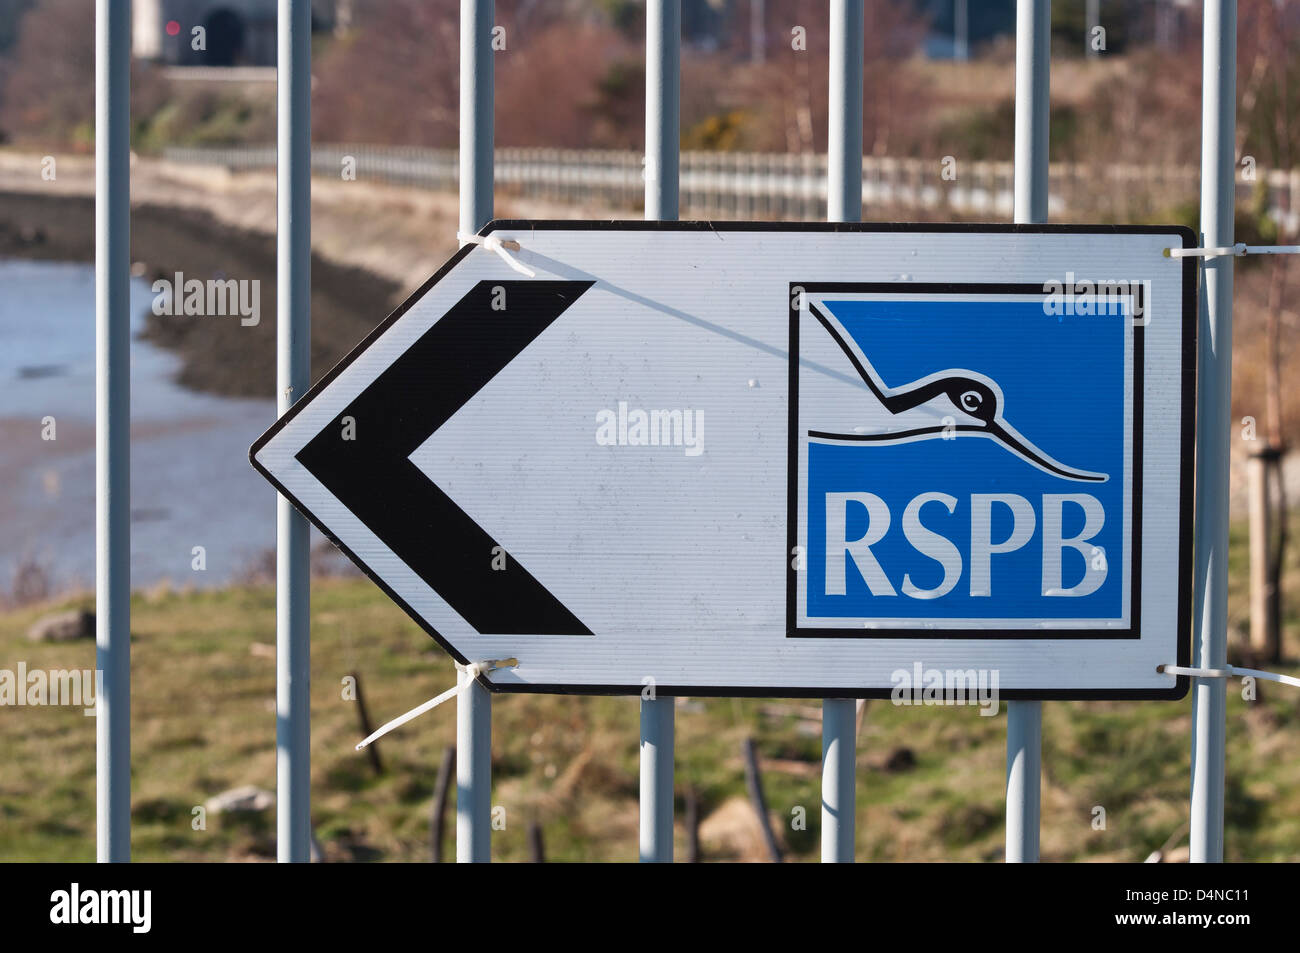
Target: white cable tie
(502,246)
(473,670)
(1230,671)
(1237,250)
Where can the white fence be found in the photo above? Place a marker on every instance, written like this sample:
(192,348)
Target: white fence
(741,185)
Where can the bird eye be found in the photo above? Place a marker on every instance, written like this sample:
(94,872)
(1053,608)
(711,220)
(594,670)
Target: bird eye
(971,400)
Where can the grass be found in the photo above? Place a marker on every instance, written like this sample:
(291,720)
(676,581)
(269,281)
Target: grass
(203,721)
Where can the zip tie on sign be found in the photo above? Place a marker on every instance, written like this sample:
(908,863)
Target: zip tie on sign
(1229,671)
(473,670)
(1237,250)
(500,246)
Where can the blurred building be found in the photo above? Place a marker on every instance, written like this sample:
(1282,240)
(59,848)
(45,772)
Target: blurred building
(234,32)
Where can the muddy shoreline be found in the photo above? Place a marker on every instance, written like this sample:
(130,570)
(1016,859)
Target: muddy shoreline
(219,354)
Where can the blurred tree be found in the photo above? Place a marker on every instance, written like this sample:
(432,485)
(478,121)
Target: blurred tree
(393,79)
(572,84)
(48,92)
(1121,19)
(1267,34)
(784,97)
(1268,39)
(626,16)
(11,14)
(564,77)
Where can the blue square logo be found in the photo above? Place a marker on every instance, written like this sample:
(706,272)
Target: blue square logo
(963,463)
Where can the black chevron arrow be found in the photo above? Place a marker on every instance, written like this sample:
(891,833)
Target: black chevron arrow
(373,476)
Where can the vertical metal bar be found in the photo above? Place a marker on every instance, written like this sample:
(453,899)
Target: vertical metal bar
(112,431)
(1210,696)
(663,38)
(844,148)
(1025,718)
(839,780)
(1024,771)
(657,726)
(1033,93)
(473,772)
(477,94)
(844,204)
(293,377)
(474,703)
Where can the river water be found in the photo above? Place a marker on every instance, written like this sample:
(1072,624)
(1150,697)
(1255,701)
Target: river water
(191,483)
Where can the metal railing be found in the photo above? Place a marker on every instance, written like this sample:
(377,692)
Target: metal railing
(718,185)
(782,186)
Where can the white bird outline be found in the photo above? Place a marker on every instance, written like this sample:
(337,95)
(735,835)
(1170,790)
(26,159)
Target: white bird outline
(975,395)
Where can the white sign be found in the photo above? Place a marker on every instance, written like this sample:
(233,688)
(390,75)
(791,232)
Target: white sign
(776,459)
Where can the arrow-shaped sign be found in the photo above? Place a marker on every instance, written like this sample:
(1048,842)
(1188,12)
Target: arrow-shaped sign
(737,459)
(376,480)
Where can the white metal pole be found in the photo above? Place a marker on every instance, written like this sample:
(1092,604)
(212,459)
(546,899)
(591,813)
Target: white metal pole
(656,789)
(113,431)
(474,703)
(1025,718)
(662,108)
(662,145)
(844,146)
(1213,421)
(293,377)
(473,772)
(477,95)
(844,204)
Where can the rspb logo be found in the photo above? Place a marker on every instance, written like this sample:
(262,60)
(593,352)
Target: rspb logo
(961,462)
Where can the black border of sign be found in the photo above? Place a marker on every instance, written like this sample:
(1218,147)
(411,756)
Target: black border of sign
(1027,290)
(1188,437)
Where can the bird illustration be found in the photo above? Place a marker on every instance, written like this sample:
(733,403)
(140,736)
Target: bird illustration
(975,408)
